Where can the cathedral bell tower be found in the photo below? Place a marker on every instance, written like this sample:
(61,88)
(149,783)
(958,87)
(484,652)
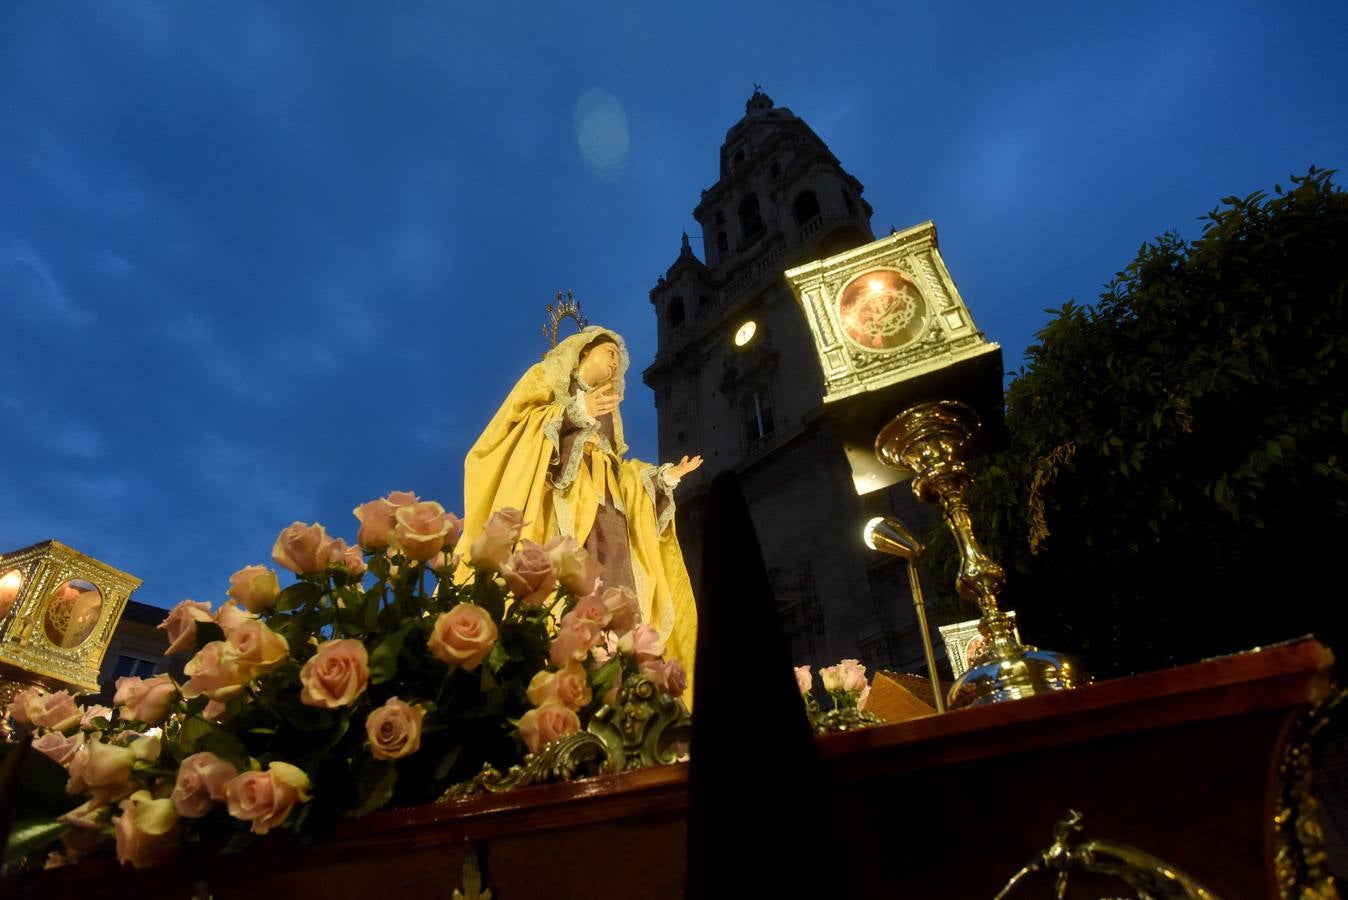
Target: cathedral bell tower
(735,380)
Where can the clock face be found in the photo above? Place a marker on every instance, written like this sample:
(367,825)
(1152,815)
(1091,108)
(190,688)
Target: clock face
(882,310)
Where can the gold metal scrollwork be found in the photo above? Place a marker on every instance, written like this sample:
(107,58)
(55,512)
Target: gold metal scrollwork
(1150,877)
(1300,860)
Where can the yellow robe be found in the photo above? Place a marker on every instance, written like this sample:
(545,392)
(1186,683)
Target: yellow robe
(509,466)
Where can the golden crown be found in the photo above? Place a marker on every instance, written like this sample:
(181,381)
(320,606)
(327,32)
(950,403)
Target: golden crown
(567,307)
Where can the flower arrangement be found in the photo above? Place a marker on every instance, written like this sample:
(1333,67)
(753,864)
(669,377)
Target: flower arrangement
(847,689)
(388,670)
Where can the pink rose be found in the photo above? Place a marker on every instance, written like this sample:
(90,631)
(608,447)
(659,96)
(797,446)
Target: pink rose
(201,784)
(257,649)
(463,636)
(229,617)
(573,640)
(266,799)
(303,549)
(643,642)
(215,672)
(624,611)
(530,574)
(378,517)
(349,558)
(804,680)
(592,609)
(394,729)
(569,687)
(181,625)
(57,746)
(606,649)
(255,588)
(213,711)
(424,529)
(336,675)
(577,571)
(498,536)
(94,712)
(865,695)
(57,711)
(18,707)
(540,727)
(147,830)
(145,700)
(667,676)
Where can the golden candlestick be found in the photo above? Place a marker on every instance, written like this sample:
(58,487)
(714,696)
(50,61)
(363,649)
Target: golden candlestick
(928,441)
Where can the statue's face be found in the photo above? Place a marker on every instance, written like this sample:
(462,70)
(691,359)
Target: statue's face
(599,365)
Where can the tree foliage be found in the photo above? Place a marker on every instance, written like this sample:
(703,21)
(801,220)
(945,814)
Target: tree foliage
(1175,483)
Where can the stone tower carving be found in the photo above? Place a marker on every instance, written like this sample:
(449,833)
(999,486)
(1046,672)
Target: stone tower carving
(736,379)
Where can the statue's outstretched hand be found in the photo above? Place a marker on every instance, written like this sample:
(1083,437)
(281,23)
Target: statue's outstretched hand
(684,466)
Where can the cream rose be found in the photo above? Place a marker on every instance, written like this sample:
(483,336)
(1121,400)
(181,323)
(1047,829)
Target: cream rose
(18,707)
(266,799)
(180,626)
(530,573)
(94,712)
(463,636)
(378,517)
(145,700)
(146,830)
(424,529)
(229,616)
(257,649)
(499,534)
(57,711)
(540,727)
(349,558)
(394,729)
(577,571)
(102,768)
(569,687)
(336,675)
(592,609)
(202,778)
(215,672)
(255,588)
(624,610)
(303,549)
(804,680)
(848,675)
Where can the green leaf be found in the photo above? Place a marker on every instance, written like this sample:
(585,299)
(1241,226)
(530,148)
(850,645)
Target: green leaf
(32,836)
(384,659)
(227,746)
(447,762)
(301,593)
(241,841)
(602,678)
(41,788)
(375,788)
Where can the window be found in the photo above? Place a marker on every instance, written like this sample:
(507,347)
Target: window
(805,207)
(720,217)
(751,220)
(674,312)
(722,244)
(702,301)
(756,414)
(739,156)
(847,201)
(776,170)
(134,666)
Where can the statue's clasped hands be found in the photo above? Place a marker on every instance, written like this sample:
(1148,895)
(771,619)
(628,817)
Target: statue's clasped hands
(601,401)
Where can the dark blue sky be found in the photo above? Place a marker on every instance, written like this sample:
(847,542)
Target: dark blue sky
(262,262)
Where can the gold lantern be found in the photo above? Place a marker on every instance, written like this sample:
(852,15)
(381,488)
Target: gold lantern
(58,609)
(914,390)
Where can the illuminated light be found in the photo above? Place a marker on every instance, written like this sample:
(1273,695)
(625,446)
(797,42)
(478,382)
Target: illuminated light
(10,583)
(868,533)
(876,285)
(745,333)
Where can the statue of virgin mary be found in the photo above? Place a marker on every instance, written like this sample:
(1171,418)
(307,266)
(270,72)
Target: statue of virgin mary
(555,451)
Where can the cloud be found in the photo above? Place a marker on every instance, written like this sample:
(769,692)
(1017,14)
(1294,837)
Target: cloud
(33,287)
